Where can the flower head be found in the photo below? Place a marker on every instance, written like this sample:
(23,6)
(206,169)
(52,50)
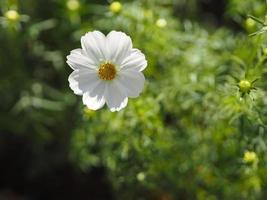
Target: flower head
(107,69)
(115,7)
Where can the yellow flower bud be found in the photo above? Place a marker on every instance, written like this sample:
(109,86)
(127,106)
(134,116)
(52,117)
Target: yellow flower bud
(250,157)
(245,86)
(12,15)
(161,23)
(115,7)
(73,5)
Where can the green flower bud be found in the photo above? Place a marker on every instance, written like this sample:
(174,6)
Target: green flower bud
(161,23)
(12,15)
(250,23)
(250,157)
(141,176)
(73,5)
(245,86)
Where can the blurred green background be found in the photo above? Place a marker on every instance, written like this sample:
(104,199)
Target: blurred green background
(198,130)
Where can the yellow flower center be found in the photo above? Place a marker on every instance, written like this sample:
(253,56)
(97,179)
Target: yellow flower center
(107,71)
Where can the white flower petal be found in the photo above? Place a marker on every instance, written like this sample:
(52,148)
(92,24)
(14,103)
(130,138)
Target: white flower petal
(77,60)
(119,46)
(132,82)
(94,44)
(115,97)
(81,81)
(135,61)
(95,100)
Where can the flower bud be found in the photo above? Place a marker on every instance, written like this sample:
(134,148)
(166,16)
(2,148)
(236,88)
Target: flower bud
(12,15)
(73,5)
(250,23)
(161,23)
(250,157)
(115,7)
(141,176)
(245,86)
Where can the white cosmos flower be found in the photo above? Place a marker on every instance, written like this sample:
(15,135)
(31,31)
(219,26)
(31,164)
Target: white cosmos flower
(107,69)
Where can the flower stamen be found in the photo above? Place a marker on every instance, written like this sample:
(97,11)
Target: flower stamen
(107,71)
